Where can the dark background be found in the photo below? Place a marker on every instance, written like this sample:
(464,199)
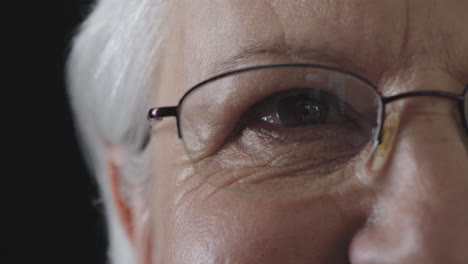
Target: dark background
(86,231)
(70,221)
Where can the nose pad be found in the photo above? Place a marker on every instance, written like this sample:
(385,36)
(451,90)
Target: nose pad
(420,213)
(381,152)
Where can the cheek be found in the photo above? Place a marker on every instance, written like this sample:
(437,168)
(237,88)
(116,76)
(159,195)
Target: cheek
(232,227)
(172,180)
(194,223)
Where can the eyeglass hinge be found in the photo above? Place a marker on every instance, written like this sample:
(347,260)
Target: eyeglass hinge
(158,113)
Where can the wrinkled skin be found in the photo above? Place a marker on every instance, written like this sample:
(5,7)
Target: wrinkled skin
(413,210)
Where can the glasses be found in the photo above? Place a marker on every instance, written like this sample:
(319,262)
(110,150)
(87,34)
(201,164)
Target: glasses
(284,127)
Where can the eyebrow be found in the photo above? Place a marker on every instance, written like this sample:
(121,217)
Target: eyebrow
(322,56)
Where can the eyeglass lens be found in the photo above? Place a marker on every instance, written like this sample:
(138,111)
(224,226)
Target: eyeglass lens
(284,129)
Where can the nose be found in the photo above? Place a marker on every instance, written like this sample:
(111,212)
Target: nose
(420,211)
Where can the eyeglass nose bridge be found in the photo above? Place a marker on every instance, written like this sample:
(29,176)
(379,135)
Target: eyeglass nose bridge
(424,93)
(440,94)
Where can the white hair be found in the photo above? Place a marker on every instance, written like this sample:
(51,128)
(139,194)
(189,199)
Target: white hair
(111,72)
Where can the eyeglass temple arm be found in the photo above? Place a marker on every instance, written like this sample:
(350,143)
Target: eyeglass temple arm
(158,113)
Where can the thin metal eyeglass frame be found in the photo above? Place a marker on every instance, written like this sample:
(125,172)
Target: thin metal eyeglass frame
(158,113)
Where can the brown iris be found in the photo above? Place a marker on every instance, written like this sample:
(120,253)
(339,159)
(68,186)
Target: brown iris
(301,110)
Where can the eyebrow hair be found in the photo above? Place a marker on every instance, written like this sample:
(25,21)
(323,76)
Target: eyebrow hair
(316,55)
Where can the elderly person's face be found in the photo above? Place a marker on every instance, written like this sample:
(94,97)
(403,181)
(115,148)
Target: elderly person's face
(411,209)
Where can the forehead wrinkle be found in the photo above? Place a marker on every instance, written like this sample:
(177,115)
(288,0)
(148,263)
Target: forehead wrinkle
(326,37)
(430,44)
(306,54)
(313,43)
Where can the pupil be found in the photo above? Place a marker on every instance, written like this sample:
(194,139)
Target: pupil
(304,108)
(301,110)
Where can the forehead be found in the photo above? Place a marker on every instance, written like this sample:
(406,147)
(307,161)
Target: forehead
(371,38)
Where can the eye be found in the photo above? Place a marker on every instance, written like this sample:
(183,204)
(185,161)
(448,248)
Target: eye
(279,129)
(299,107)
(301,110)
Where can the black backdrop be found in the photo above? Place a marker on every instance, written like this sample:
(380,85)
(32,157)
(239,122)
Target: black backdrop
(76,232)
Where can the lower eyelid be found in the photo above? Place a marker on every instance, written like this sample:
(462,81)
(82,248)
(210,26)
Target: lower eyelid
(273,143)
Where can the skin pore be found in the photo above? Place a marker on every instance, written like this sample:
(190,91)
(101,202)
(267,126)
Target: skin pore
(413,210)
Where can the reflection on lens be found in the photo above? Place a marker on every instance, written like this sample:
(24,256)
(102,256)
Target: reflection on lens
(278,130)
